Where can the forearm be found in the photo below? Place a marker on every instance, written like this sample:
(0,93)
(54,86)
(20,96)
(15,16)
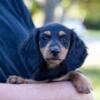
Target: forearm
(50,91)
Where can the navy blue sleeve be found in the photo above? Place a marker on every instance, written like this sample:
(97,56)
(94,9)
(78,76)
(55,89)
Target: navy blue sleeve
(15,26)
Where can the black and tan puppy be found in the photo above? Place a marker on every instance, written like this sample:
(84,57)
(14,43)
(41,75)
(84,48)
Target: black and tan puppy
(60,52)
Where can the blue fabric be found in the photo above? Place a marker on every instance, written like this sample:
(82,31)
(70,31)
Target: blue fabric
(15,26)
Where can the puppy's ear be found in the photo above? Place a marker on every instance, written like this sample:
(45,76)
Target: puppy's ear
(77,52)
(30,52)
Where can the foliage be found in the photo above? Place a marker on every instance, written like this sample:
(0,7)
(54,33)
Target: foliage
(92,24)
(91,7)
(34,6)
(92,19)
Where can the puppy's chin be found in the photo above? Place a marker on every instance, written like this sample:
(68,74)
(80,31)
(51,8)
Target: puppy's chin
(52,63)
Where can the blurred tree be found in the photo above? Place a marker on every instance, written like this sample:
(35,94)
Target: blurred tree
(91,7)
(47,6)
(66,5)
(49,10)
(33,6)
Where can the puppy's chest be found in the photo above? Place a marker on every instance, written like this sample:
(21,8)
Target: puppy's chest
(58,74)
(50,74)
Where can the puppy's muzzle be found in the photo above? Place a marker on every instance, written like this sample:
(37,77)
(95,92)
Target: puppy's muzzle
(55,50)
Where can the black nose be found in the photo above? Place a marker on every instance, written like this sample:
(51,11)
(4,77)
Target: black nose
(55,50)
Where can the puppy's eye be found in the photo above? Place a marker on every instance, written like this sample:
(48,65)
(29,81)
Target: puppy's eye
(45,37)
(63,38)
(64,41)
(43,40)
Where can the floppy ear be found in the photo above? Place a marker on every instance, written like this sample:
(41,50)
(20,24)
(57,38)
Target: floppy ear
(77,52)
(30,53)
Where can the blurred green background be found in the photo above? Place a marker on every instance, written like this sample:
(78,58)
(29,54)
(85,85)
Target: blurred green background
(81,15)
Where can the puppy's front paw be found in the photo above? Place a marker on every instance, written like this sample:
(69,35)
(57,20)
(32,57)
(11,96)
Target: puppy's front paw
(81,84)
(13,79)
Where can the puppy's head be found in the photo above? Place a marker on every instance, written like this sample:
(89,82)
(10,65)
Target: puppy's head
(59,44)
(54,42)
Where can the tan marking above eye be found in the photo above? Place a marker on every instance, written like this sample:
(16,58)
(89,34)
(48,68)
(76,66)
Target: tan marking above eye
(47,33)
(61,33)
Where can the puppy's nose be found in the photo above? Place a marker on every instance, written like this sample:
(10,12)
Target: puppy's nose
(55,50)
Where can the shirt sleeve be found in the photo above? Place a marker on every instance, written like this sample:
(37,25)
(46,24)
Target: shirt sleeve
(15,26)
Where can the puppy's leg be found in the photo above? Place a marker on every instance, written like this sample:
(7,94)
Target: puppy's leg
(13,79)
(80,82)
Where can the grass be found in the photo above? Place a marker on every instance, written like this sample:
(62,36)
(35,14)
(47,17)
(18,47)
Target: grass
(93,33)
(93,73)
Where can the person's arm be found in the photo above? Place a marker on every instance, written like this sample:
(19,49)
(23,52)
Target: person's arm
(45,91)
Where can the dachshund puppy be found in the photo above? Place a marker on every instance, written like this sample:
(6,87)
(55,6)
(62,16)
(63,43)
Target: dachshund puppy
(60,52)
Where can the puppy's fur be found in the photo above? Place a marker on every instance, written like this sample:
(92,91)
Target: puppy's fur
(58,52)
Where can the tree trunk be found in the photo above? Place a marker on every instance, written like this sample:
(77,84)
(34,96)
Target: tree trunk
(49,9)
